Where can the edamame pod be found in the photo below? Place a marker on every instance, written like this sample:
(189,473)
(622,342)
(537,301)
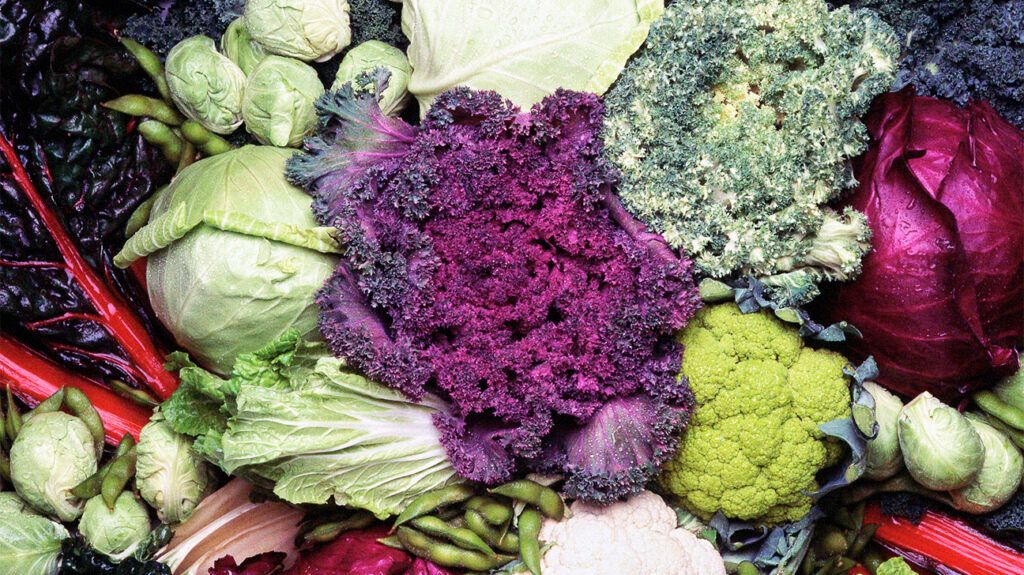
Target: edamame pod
(533,493)
(432,500)
(529,539)
(501,539)
(462,537)
(446,555)
(138,105)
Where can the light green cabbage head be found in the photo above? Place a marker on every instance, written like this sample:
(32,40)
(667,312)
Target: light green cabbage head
(1000,474)
(522,49)
(234,255)
(238,45)
(278,104)
(303,29)
(376,54)
(205,85)
(169,475)
(53,453)
(883,457)
(115,532)
(941,449)
(29,542)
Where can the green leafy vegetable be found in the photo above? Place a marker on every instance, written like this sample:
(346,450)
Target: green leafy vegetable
(299,419)
(29,543)
(524,49)
(169,475)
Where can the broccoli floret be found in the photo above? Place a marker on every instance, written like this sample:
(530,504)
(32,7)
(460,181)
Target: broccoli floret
(753,447)
(171,21)
(960,50)
(732,128)
(895,566)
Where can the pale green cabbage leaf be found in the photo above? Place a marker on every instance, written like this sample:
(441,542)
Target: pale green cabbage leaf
(29,543)
(522,49)
(297,419)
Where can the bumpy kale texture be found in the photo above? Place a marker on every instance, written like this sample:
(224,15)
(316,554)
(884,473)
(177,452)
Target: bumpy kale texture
(490,263)
(167,22)
(732,128)
(960,50)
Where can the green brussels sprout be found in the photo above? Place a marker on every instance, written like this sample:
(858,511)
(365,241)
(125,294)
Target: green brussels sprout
(941,449)
(10,502)
(303,29)
(115,532)
(238,45)
(1000,474)
(53,453)
(278,104)
(883,458)
(205,85)
(376,54)
(235,257)
(1011,390)
(169,475)
(30,544)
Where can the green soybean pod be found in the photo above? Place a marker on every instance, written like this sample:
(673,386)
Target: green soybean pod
(48,405)
(529,539)
(162,136)
(118,475)
(747,568)
(90,487)
(209,144)
(495,513)
(462,537)
(330,531)
(13,423)
(3,425)
(993,405)
(144,106)
(503,540)
(446,555)
(432,500)
(151,64)
(188,155)
(121,388)
(80,406)
(5,465)
(533,493)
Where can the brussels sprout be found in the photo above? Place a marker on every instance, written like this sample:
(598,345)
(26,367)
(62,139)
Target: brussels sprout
(30,544)
(375,54)
(169,475)
(238,45)
(1000,474)
(303,29)
(940,447)
(206,86)
(235,255)
(115,532)
(1011,390)
(53,453)
(883,457)
(278,104)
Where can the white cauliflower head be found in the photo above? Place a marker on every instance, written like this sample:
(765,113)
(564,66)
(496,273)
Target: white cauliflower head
(637,536)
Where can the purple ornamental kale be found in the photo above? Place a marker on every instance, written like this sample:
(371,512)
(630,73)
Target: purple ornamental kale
(489,263)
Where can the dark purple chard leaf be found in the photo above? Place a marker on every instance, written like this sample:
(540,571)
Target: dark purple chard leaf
(72,173)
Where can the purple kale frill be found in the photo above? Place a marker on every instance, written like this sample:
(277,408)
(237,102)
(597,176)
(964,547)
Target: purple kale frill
(488,262)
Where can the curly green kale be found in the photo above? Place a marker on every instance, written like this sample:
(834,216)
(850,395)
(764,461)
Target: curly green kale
(376,20)
(960,50)
(732,128)
(754,448)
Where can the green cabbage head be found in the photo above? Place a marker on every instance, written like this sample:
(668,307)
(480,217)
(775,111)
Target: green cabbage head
(115,532)
(367,57)
(238,45)
(53,453)
(234,255)
(29,542)
(303,29)
(169,475)
(278,104)
(206,85)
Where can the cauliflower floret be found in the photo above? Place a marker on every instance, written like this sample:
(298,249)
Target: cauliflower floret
(754,447)
(637,536)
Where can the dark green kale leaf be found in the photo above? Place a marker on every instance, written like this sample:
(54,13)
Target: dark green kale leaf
(168,22)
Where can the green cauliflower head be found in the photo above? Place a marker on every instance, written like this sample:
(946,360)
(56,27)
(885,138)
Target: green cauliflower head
(732,129)
(753,447)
